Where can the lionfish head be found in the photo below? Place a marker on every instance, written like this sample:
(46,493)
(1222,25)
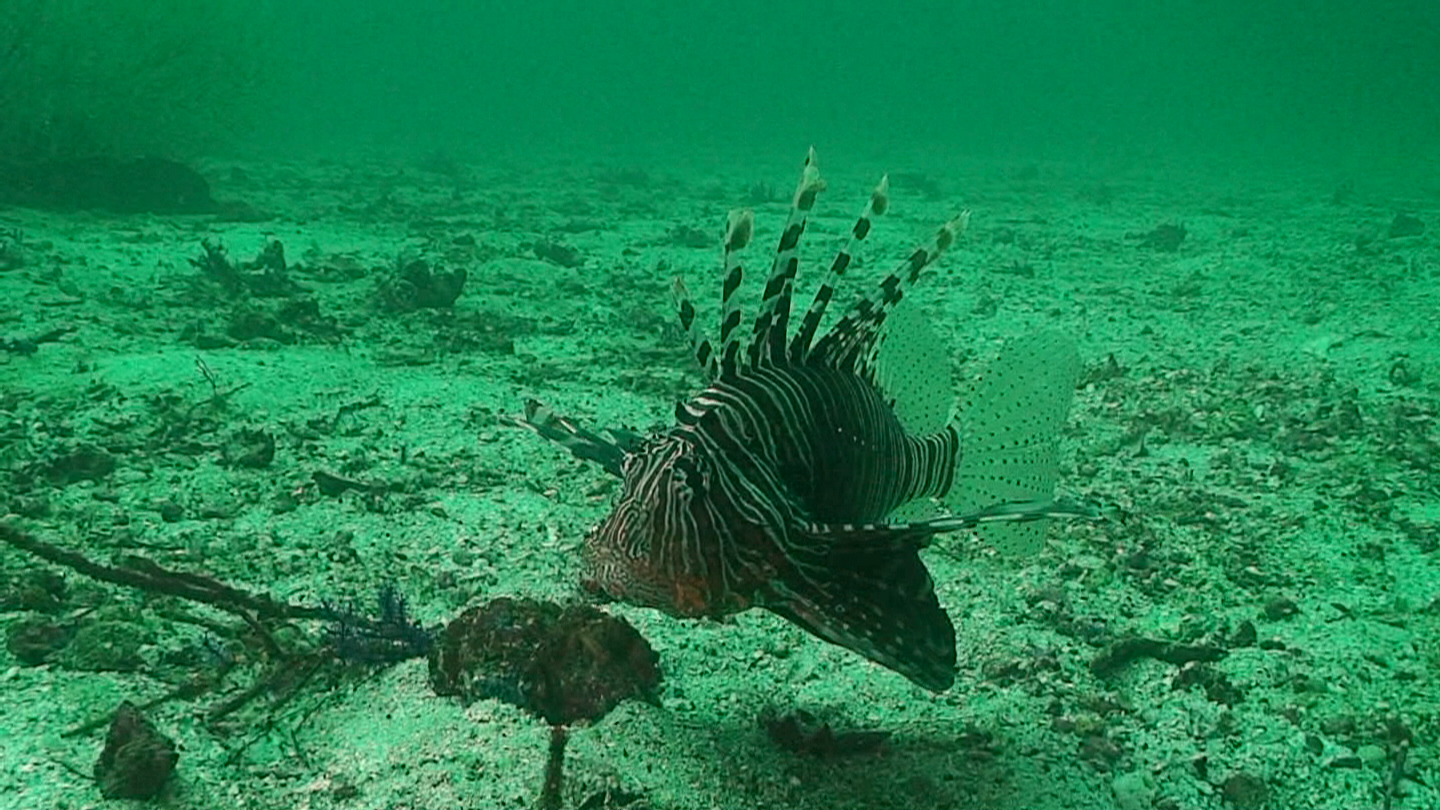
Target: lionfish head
(624,555)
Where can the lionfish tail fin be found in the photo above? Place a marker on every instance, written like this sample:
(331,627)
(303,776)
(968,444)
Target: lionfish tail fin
(868,591)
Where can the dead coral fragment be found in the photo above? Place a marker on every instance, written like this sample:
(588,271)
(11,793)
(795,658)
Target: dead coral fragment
(265,276)
(1122,652)
(414,284)
(1163,238)
(12,249)
(563,664)
(801,732)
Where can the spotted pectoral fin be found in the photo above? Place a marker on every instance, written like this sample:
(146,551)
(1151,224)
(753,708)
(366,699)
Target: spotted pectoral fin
(1011,419)
(865,589)
(912,371)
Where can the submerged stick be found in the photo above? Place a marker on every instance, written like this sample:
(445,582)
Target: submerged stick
(550,798)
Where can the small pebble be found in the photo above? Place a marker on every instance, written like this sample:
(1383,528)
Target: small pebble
(1134,791)
(1372,755)
(171,511)
(1282,607)
(1347,761)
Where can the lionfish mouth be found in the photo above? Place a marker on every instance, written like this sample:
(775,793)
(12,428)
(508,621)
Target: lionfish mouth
(777,485)
(594,591)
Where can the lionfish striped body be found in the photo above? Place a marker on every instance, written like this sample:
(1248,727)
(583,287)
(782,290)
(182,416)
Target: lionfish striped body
(773,486)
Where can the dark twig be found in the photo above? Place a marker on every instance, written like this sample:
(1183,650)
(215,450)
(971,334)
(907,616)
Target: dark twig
(138,572)
(391,633)
(191,688)
(1397,772)
(393,625)
(1398,737)
(550,794)
(306,666)
(217,395)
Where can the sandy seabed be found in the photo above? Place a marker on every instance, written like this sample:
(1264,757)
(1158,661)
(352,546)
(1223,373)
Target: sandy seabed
(1258,416)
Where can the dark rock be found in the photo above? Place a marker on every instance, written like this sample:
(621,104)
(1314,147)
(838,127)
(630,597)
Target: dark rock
(1164,238)
(137,759)
(253,323)
(83,463)
(143,186)
(1281,607)
(1245,635)
(105,646)
(557,253)
(801,732)
(1405,225)
(41,590)
(1245,791)
(1217,685)
(170,511)
(248,448)
(33,641)
(691,237)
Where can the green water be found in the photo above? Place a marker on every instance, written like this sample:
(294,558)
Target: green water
(272,275)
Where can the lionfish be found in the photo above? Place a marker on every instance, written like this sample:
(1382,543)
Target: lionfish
(773,488)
